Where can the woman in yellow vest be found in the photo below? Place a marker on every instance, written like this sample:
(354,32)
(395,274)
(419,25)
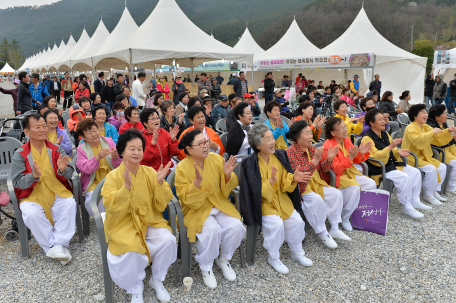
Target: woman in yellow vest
(341,109)
(204,182)
(135,197)
(417,139)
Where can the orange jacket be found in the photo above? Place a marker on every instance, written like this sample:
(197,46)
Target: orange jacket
(341,162)
(73,121)
(212,136)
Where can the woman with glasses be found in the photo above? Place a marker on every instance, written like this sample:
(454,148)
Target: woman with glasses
(204,182)
(348,178)
(161,145)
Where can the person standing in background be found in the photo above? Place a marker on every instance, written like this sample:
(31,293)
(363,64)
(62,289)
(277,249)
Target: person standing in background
(376,84)
(55,89)
(241,87)
(13,93)
(354,86)
(99,83)
(178,88)
(203,83)
(138,91)
(452,101)
(219,78)
(269,86)
(429,88)
(67,86)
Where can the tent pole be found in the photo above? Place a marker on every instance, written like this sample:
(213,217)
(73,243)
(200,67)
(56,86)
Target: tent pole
(155,68)
(131,67)
(253,85)
(193,70)
(373,71)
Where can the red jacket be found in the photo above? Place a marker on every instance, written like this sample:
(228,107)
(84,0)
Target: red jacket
(78,94)
(21,158)
(341,162)
(128,125)
(160,153)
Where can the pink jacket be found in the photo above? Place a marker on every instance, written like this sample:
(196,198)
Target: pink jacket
(90,166)
(348,99)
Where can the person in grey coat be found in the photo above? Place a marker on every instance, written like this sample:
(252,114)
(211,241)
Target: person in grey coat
(203,83)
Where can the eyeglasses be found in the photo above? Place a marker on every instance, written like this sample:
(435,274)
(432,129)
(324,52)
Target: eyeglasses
(202,144)
(153,119)
(343,128)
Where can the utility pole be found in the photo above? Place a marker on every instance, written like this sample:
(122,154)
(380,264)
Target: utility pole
(411,41)
(435,42)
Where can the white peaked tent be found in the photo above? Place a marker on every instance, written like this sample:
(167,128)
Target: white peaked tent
(64,64)
(42,58)
(247,44)
(152,44)
(123,29)
(62,53)
(7,69)
(100,34)
(44,65)
(293,44)
(399,70)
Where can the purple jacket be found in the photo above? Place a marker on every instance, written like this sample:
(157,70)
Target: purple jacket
(90,166)
(13,93)
(117,124)
(365,126)
(66,143)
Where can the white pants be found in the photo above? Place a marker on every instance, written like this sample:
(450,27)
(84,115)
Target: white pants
(128,270)
(88,197)
(430,181)
(276,230)
(64,215)
(220,232)
(408,185)
(316,209)
(452,181)
(352,193)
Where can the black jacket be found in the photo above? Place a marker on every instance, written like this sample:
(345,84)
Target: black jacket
(429,86)
(234,140)
(250,184)
(107,94)
(24,97)
(388,107)
(167,126)
(118,87)
(216,91)
(177,90)
(453,88)
(434,124)
(230,120)
(98,86)
(51,86)
(237,87)
(269,85)
(380,144)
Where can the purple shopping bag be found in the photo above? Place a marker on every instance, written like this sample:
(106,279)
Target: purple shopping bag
(372,212)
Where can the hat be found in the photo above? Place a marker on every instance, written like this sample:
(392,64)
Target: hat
(203,91)
(117,105)
(356,76)
(214,79)
(369,94)
(234,74)
(207,98)
(277,90)
(153,91)
(223,98)
(17,81)
(248,96)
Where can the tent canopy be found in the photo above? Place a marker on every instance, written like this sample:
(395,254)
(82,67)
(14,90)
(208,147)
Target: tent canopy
(64,63)
(150,44)
(247,44)
(62,53)
(7,69)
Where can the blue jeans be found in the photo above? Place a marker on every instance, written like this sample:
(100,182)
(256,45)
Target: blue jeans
(437,101)
(428,100)
(268,97)
(451,104)
(109,106)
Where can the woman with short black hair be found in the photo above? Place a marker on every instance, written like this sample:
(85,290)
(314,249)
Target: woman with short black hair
(168,120)
(237,142)
(132,117)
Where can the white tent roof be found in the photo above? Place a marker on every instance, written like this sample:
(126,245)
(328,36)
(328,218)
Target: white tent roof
(62,53)
(123,29)
(50,56)
(42,58)
(247,44)
(100,34)
(64,63)
(7,69)
(151,43)
(293,44)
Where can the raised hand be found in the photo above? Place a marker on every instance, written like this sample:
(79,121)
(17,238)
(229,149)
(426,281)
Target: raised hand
(353,152)
(155,136)
(181,116)
(62,163)
(127,176)
(213,145)
(452,129)
(36,172)
(353,119)
(163,172)
(173,132)
(300,176)
(279,123)
(403,152)
(361,119)
(317,155)
(316,120)
(437,130)
(273,178)
(114,154)
(320,123)
(290,123)
(59,140)
(228,167)
(198,177)
(395,142)
(364,148)
(102,153)
(332,152)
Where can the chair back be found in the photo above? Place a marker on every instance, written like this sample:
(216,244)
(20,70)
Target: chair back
(223,138)
(96,197)
(264,116)
(66,116)
(403,121)
(171,178)
(318,144)
(358,141)
(258,120)
(295,106)
(220,126)
(285,119)
(8,146)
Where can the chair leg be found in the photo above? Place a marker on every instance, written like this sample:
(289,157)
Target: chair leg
(108,283)
(447,179)
(172,221)
(78,223)
(242,254)
(85,221)
(252,238)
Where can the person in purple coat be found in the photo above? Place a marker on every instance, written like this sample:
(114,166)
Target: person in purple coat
(57,135)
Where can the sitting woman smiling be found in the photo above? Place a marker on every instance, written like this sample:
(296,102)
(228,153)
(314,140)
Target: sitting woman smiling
(56,134)
(341,109)
(132,116)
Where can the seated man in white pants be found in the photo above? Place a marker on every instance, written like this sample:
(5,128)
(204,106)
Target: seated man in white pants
(96,157)
(204,182)
(270,198)
(406,178)
(417,139)
(349,180)
(319,200)
(40,175)
(135,197)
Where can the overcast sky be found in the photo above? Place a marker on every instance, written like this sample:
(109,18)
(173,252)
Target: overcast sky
(10,3)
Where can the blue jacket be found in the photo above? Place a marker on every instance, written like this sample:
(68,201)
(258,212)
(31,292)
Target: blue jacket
(154,83)
(98,86)
(47,83)
(219,111)
(281,100)
(39,93)
(277,132)
(111,132)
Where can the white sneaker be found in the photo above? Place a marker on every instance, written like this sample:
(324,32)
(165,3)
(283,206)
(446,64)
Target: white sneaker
(160,291)
(301,258)
(278,266)
(328,241)
(420,205)
(451,191)
(432,200)
(439,197)
(227,270)
(209,279)
(414,214)
(56,252)
(67,251)
(338,234)
(347,225)
(137,298)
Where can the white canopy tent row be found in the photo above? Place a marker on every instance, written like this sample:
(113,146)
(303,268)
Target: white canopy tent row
(62,53)
(43,68)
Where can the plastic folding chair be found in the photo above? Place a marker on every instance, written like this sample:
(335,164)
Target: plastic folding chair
(220,126)
(264,116)
(403,121)
(8,146)
(258,120)
(80,198)
(108,283)
(437,151)
(223,138)
(12,127)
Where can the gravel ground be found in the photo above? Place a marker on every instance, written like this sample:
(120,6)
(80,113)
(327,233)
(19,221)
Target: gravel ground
(6,101)
(414,262)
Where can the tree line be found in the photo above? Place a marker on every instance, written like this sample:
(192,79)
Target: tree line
(11,53)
